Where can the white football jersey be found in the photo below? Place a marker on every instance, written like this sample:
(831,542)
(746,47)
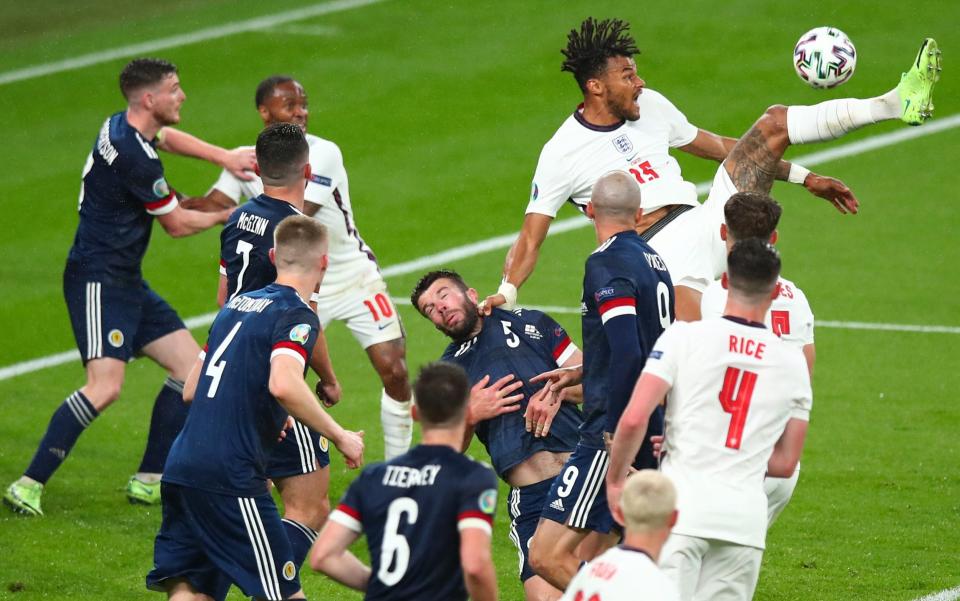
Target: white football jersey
(580,153)
(351,261)
(621,574)
(734,387)
(789,317)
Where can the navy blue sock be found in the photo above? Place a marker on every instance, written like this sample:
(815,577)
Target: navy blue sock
(169,413)
(68,422)
(301,539)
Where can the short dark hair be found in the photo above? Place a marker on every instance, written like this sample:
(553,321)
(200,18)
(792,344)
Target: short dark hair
(430,278)
(751,215)
(441,392)
(141,72)
(753,267)
(266,87)
(587,50)
(282,151)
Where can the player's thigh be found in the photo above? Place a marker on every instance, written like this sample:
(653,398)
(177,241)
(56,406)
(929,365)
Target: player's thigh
(685,246)
(104,317)
(595,543)
(367,311)
(536,588)
(163,337)
(305,496)
(302,452)
(680,560)
(713,216)
(578,497)
(524,506)
(779,491)
(104,381)
(555,539)
(729,572)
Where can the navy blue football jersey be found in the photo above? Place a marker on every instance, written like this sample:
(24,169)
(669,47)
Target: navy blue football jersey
(624,276)
(123,189)
(245,243)
(412,509)
(234,422)
(524,343)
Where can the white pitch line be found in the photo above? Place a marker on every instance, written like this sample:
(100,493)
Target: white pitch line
(183,39)
(944,595)
(571,223)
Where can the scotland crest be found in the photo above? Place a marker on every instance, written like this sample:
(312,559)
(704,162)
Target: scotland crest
(623,144)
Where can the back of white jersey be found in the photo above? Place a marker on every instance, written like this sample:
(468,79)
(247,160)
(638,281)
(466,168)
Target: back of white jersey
(734,387)
(580,153)
(351,261)
(789,317)
(621,574)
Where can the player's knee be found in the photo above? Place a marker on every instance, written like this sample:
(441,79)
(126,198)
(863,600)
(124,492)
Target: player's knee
(396,379)
(541,557)
(103,392)
(316,517)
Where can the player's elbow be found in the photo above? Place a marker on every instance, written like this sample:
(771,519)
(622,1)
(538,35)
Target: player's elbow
(476,562)
(782,466)
(279,386)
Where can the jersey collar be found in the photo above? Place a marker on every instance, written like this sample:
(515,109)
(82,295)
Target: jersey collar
(578,115)
(635,550)
(745,322)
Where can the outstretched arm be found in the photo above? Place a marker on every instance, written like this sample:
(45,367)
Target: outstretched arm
(182,222)
(239,161)
(520,261)
(330,555)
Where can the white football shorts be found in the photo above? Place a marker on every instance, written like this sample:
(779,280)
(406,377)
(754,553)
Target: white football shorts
(711,569)
(366,309)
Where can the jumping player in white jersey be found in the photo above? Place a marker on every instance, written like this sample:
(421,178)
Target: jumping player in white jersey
(749,215)
(622,125)
(353,289)
(648,508)
(737,404)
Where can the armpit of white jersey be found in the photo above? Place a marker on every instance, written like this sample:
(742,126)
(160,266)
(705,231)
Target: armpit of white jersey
(789,317)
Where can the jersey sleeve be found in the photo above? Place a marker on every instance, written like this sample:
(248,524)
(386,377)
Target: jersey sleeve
(143,177)
(327,173)
(555,339)
(551,186)
(682,132)
(229,185)
(804,317)
(664,359)
(713,301)
(347,512)
(478,500)
(802,402)
(295,335)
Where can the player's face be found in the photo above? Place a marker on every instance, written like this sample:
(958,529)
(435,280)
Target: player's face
(451,310)
(622,87)
(166,98)
(288,104)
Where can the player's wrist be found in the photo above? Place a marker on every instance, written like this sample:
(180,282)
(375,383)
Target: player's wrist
(798,174)
(509,293)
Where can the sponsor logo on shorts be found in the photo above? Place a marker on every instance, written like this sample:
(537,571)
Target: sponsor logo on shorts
(160,188)
(321,180)
(116,338)
(623,144)
(383,326)
(300,333)
(488,501)
(558,505)
(289,570)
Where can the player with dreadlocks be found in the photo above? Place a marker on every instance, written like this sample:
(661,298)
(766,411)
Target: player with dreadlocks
(624,126)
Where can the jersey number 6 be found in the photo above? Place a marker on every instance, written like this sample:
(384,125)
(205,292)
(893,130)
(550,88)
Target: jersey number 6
(394,550)
(735,400)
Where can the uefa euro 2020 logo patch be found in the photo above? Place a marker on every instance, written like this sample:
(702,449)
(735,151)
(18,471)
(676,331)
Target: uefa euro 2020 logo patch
(488,501)
(160,188)
(300,333)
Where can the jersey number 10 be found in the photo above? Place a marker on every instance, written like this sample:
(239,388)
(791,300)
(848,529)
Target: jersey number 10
(735,400)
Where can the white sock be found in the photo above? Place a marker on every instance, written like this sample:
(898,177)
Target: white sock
(397,426)
(148,478)
(831,119)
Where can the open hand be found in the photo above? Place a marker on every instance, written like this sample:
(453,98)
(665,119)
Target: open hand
(834,191)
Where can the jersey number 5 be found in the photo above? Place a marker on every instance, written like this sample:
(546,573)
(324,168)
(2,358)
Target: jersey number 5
(735,400)
(394,550)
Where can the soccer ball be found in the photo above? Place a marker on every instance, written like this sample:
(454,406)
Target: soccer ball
(824,57)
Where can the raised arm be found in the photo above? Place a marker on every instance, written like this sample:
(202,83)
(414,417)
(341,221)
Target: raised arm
(239,161)
(182,222)
(520,261)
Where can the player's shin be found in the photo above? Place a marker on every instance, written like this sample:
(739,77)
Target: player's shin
(397,425)
(834,118)
(169,414)
(68,422)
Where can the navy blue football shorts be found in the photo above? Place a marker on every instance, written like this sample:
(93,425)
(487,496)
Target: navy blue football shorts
(300,452)
(525,506)
(115,321)
(213,541)
(578,496)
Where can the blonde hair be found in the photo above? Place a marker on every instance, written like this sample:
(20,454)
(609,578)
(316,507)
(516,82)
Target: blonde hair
(298,242)
(648,501)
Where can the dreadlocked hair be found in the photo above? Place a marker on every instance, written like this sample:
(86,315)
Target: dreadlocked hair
(587,50)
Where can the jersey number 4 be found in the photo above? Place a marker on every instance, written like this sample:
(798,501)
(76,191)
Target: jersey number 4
(395,550)
(735,400)
(215,367)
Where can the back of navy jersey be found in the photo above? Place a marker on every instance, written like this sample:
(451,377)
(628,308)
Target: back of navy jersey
(524,343)
(234,421)
(123,189)
(624,275)
(245,243)
(412,510)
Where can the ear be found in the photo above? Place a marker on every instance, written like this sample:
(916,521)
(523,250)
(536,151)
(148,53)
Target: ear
(264,113)
(273,256)
(725,281)
(595,87)
(473,296)
(415,412)
(638,216)
(324,261)
(307,171)
(617,512)
(673,518)
(776,291)
(256,169)
(723,232)
(773,238)
(590,212)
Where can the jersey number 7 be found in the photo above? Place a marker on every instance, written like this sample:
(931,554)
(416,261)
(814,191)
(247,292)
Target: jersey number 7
(735,400)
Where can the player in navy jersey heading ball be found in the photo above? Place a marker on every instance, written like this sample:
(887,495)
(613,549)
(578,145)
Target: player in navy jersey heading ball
(220,524)
(416,509)
(627,303)
(115,314)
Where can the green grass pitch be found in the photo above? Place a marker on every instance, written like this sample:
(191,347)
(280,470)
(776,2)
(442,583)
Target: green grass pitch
(441,110)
